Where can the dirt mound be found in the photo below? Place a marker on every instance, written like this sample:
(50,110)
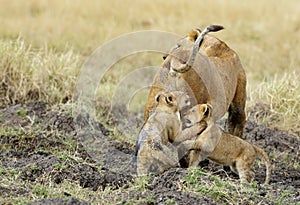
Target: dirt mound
(49,149)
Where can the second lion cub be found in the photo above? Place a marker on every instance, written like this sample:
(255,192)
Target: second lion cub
(229,149)
(154,150)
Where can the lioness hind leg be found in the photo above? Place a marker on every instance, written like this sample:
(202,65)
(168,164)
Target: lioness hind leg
(236,120)
(236,113)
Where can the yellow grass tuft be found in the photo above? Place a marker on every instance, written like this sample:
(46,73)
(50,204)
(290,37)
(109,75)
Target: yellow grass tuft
(275,102)
(29,74)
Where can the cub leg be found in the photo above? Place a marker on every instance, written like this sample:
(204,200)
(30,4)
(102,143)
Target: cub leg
(190,132)
(166,156)
(194,158)
(143,165)
(184,148)
(233,169)
(244,168)
(196,154)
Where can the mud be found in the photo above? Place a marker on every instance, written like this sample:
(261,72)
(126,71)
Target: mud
(105,160)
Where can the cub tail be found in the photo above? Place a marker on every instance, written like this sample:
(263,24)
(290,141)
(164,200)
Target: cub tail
(263,155)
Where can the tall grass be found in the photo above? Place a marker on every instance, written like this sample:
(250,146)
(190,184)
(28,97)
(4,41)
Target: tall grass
(263,32)
(275,102)
(35,74)
(34,35)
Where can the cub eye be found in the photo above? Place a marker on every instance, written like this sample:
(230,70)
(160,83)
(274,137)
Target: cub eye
(170,98)
(193,110)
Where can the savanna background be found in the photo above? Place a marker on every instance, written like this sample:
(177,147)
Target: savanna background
(43,45)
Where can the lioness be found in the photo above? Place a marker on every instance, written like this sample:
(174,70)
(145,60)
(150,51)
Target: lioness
(154,151)
(229,149)
(210,72)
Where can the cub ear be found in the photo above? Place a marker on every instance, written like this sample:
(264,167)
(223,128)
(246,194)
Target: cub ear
(159,96)
(170,99)
(208,110)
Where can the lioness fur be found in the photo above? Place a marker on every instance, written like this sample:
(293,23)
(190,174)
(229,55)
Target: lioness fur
(154,150)
(215,61)
(229,150)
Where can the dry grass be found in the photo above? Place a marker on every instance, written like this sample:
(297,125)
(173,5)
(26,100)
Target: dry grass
(35,74)
(264,33)
(38,36)
(278,102)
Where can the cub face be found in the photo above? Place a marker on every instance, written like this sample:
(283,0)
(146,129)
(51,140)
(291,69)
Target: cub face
(175,100)
(197,113)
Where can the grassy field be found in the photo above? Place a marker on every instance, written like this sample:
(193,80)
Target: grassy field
(43,45)
(264,33)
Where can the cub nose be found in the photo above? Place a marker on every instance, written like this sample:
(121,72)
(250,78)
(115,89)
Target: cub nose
(188,122)
(172,73)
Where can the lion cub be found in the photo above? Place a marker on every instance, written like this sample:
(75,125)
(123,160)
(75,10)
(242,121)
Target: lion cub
(229,150)
(154,150)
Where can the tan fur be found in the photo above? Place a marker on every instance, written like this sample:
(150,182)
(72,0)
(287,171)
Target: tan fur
(154,151)
(192,35)
(221,64)
(229,149)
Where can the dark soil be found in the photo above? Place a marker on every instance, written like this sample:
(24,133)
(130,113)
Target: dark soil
(55,201)
(106,161)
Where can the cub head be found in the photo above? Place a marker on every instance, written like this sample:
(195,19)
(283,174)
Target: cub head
(197,113)
(175,100)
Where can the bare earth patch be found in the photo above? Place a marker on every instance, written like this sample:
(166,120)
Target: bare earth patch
(37,138)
